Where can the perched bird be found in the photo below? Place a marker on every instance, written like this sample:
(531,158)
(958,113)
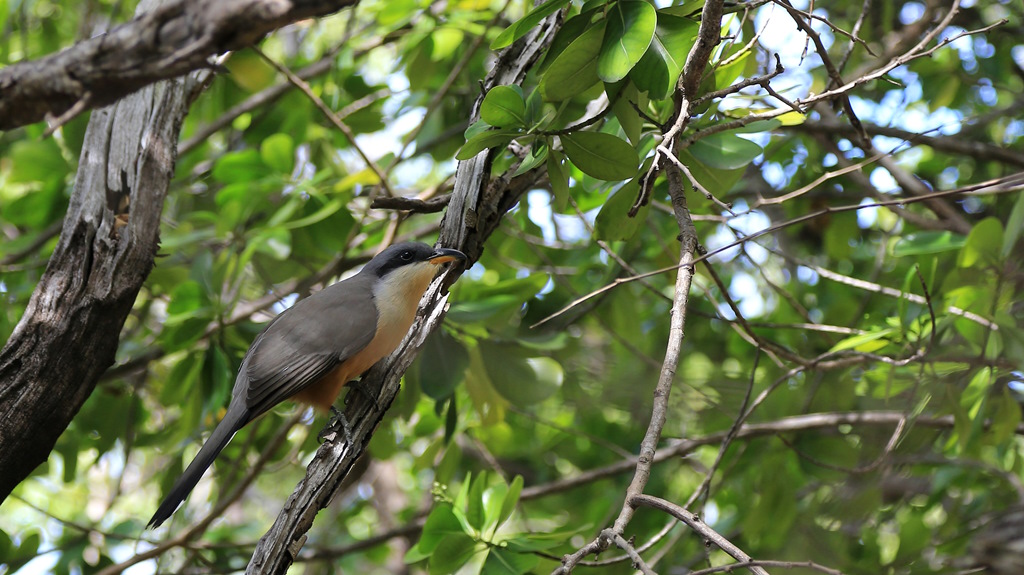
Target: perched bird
(308,352)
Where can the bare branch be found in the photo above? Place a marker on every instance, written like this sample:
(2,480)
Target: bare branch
(694,522)
(1008,184)
(417,205)
(167,42)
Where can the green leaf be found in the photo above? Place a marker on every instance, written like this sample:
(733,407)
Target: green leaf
(613,222)
(758,127)
(278,152)
(441,365)
(242,166)
(485,140)
(726,74)
(559,180)
(504,107)
(627,115)
(504,561)
(521,381)
(575,69)
(444,41)
(538,153)
(1006,418)
(601,155)
(984,244)
(33,209)
(629,32)
(451,554)
(451,419)
(725,151)
(720,181)
(441,523)
(475,512)
(493,498)
(36,161)
(511,499)
(6,545)
(865,342)
(526,23)
(1013,227)
(567,34)
(321,214)
(658,70)
(927,243)
(188,298)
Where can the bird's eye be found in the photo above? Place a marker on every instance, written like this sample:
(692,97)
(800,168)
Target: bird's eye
(406,256)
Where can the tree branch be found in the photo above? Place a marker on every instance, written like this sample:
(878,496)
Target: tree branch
(174,39)
(694,523)
(69,333)
(477,205)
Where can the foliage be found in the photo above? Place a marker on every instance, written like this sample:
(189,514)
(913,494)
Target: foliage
(896,320)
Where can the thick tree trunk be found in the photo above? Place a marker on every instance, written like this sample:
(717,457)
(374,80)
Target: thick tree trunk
(69,333)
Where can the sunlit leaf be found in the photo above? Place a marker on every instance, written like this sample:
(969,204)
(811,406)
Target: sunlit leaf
(866,342)
(504,107)
(278,152)
(984,244)
(660,66)
(927,243)
(575,69)
(601,155)
(626,37)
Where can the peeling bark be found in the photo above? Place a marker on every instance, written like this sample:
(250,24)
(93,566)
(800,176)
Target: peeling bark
(69,333)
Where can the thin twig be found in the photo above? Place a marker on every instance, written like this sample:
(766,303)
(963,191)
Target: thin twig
(1008,184)
(331,115)
(694,522)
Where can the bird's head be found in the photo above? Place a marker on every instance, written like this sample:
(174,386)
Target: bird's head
(409,256)
(403,272)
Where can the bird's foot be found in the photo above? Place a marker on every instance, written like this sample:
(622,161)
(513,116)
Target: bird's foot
(330,431)
(361,389)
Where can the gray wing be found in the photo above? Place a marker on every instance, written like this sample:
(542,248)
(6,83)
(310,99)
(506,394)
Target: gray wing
(306,342)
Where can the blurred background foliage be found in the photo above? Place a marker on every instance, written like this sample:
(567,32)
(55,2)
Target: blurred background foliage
(271,201)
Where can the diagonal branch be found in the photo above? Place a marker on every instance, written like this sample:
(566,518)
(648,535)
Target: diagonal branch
(476,207)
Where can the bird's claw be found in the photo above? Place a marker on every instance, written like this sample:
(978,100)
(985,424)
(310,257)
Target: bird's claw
(361,389)
(330,431)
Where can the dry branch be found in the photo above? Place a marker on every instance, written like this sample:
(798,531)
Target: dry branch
(69,332)
(172,40)
(476,207)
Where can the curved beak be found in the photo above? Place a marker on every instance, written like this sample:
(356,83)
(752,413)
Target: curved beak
(445,255)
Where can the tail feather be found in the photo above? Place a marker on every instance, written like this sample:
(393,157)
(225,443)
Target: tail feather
(222,434)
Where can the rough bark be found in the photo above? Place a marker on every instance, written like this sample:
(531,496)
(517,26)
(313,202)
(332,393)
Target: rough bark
(477,205)
(69,333)
(176,38)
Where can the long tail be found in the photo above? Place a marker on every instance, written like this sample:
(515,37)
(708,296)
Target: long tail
(222,434)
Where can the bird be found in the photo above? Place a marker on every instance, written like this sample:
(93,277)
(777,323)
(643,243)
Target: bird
(311,350)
